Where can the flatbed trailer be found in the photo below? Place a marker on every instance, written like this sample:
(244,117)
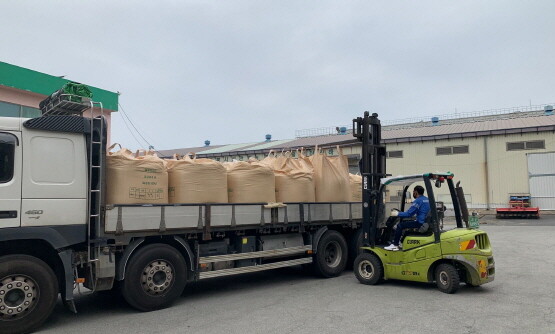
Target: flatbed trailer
(290,232)
(59,233)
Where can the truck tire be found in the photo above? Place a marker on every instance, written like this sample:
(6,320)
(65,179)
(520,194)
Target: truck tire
(447,278)
(368,269)
(154,278)
(355,242)
(28,293)
(331,255)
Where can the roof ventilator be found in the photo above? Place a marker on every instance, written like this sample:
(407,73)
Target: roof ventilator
(435,120)
(548,110)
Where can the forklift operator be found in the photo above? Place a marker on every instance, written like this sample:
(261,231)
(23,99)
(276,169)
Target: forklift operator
(420,207)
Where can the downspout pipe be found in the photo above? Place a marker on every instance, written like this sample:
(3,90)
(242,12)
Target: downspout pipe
(486,174)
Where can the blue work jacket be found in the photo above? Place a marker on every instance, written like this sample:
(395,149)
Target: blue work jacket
(420,207)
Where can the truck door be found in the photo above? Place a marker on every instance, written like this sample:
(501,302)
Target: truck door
(10,179)
(54,178)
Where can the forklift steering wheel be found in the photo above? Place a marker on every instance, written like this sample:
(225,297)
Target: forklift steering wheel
(390,222)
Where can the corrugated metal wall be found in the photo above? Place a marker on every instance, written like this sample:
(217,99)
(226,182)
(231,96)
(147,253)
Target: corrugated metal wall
(541,173)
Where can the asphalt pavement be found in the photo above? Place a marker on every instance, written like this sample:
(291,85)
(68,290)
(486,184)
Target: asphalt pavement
(520,300)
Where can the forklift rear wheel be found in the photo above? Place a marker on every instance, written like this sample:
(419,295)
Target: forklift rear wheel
(368,269)
(447,278)
(331,255)
(154,278)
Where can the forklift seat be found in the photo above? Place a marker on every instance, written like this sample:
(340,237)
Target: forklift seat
(424,230)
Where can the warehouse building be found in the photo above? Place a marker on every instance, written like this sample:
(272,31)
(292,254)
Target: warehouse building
(22,89)
(494,154)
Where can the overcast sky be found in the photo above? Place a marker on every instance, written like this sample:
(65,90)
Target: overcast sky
(232,71)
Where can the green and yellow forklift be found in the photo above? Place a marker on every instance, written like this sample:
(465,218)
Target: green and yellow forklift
(428,253)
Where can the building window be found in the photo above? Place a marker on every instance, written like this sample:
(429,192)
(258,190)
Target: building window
(28,112)
(460,149)
(9,109)
(15,110)
(395,154)
(7,153)
(448,150)
(526,145)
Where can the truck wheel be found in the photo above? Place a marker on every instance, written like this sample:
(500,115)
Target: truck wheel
(368,269)
(447,278)
(331,255)
(28,293)
(154,278)
(354,246)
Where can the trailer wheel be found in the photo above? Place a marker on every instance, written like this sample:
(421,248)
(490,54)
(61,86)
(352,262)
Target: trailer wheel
(331,255)
(154,278)
(28,293)
(447,278)
(368,269)
(354,246)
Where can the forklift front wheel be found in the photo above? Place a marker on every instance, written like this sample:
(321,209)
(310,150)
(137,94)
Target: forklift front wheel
(447,278)
(368,269)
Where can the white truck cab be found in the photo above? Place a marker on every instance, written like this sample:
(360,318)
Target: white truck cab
(44,174)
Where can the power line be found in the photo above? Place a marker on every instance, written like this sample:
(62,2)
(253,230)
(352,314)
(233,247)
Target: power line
(137,130)
(129,129)
(133,125)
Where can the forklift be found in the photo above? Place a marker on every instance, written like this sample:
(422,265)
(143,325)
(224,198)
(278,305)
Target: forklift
(428,253)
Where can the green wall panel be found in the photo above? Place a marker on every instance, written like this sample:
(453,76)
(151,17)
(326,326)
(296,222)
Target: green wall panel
(41,83)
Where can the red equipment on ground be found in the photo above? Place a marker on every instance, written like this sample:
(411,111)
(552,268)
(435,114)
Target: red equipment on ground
(519,208)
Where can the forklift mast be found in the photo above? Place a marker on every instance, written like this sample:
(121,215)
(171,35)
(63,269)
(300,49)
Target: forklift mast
(368,130)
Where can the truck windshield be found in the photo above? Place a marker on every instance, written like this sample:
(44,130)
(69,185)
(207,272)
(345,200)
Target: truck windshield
(7,151)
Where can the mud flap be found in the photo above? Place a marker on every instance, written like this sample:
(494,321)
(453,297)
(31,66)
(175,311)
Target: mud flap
(67,290)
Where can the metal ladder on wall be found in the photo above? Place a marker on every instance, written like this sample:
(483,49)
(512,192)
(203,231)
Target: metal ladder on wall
(70,105)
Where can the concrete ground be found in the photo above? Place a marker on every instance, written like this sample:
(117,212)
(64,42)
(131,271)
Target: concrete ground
(520,300)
